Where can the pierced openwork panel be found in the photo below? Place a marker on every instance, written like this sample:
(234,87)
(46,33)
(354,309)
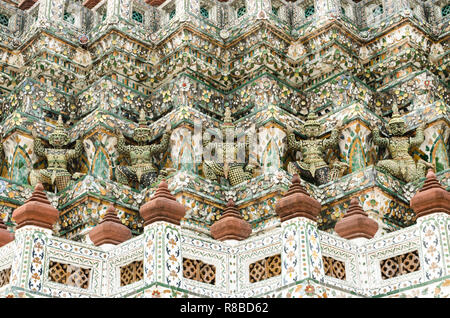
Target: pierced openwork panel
(241,11)
(275,10)
(199,271)
(4,19)
(309,11)
(69,275)
(69,17)
(265,268)
(400,265)
(378,10)
(204,12)
(446,10)
(333,267)
(172,14)
(131,273)
(137,16)
(4,276)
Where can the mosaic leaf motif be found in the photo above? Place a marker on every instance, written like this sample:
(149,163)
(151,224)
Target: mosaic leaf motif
(271,157)
(185,156)
(4,19)
(4,169)
(20,170)
(275,10)
(440,155)
(357,158)
(101,165)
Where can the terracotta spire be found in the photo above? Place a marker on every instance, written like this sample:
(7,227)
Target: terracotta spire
(155,2)
(162,207)
(36,211)
(356,223)
(90,3)
(110,230)
(297,203)
(432,198)
(231,225)
(26,4)
(5,235)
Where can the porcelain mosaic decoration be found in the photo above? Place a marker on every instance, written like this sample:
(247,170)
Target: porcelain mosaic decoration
(238,148)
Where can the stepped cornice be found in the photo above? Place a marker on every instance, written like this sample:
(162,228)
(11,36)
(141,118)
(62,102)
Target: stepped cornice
(185,26)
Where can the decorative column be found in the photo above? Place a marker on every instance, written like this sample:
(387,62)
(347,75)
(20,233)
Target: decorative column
(253,6)
(325,7)
(356,224)
(231,227)
(35,220)
(398,5)
(265,10)
(357,227)
(110,231)
(432,207)
(55,10)
(301,255)
(181,10)
(162,234)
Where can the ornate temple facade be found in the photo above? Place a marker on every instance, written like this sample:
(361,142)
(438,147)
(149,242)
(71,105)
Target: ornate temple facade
(214,148)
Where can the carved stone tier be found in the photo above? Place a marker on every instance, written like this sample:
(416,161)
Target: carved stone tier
(231,225)
(110,230)
(297,203)
(162,207)
(432,198)
(36,211)
(356,223)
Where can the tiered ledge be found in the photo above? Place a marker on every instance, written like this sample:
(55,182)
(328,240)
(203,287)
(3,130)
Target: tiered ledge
(89,196)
